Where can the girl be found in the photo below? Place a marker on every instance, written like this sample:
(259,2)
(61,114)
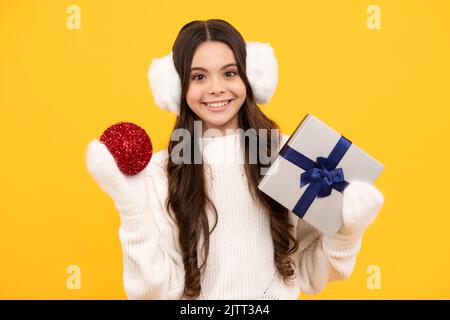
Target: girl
(204,230)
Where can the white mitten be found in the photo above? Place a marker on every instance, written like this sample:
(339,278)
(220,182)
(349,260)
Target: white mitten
(126,191)
(361,204)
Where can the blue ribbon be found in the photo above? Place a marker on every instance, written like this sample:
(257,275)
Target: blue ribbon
(321,176)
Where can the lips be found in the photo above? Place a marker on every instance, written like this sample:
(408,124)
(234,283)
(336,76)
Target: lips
(218,108)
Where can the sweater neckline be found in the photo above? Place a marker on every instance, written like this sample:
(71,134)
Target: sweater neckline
(222,149)
(221,138)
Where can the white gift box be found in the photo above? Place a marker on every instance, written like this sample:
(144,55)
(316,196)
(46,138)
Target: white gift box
(313,139)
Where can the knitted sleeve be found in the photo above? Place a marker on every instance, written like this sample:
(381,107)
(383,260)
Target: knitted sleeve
(152,263)
(323,259)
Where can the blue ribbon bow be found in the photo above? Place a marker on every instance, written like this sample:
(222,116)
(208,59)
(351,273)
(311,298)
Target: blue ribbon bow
(321,176)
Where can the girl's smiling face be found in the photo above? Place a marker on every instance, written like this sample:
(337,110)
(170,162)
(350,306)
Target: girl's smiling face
(216,92)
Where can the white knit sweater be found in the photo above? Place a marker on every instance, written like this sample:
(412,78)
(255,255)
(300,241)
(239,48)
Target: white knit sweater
(241,256)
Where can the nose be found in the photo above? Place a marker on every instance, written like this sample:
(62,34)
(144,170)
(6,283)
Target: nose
(216,87)
(216,91)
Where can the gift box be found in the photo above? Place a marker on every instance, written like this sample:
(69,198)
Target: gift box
(312,170)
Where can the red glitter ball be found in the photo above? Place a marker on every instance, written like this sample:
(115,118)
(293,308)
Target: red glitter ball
(130,146)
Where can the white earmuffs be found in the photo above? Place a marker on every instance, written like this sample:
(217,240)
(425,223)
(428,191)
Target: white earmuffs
(262,73)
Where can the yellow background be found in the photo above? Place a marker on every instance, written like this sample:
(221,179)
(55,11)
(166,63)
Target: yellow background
(387,90)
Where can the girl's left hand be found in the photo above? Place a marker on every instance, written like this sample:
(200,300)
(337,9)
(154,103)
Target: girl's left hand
(361,203)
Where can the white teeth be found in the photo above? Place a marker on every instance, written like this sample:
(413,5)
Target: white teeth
(217,105)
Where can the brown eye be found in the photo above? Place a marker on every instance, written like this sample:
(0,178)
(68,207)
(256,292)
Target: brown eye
(195,77)
(232,72)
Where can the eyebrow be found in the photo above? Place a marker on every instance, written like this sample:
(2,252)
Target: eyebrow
(224,67)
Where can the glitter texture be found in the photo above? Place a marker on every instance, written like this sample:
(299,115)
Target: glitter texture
(130,146)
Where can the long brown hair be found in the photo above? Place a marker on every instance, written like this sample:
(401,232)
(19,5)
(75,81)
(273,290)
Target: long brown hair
(187,195)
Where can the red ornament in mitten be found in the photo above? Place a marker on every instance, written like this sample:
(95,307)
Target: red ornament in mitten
(130,146)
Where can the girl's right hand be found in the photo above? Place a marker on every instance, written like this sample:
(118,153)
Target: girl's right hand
(126,191)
